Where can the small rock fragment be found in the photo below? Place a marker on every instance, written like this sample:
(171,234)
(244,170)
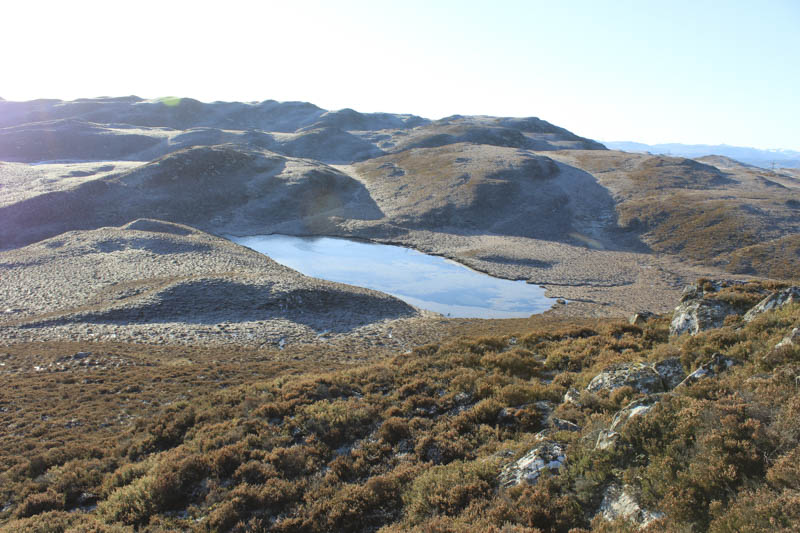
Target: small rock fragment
(564,425)
(640,318)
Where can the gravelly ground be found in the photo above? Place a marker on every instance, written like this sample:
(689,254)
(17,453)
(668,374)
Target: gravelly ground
(160,283)
(163,283)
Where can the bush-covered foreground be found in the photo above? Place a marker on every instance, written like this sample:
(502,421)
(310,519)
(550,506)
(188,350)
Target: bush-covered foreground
(419,441)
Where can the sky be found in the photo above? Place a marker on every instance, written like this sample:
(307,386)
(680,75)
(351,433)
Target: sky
(700,71)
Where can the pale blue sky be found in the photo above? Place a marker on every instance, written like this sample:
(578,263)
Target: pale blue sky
(667,71)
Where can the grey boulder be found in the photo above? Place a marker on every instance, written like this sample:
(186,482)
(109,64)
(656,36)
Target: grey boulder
(671,372)
(699,314)
(644,377)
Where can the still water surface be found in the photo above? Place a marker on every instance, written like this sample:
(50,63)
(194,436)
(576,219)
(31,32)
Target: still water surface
(425,281)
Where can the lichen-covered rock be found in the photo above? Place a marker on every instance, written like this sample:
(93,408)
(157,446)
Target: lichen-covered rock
(634,409)
(671,372)
(619,502)
(641,376)
(608,438)
(694,315)
(774,301)
(547,455)
(692,292)
(718,364)
(644,377)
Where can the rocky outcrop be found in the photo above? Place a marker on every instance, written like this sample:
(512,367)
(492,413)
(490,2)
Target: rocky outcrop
(619,503)
(695,314)
(775,300)
(547,455)
(718,364)
(644,377)
(652,379)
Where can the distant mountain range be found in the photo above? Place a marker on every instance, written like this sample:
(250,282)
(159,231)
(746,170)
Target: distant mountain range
(751,156)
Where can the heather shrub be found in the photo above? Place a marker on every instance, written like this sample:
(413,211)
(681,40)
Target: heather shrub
(415,442)
(355,507)
(393,430)
(61,522)
(760,510)
(39,503)
(485,411)
(132,504)
(517,362)
(530,392)
(449,488)
(245,500)
(125,475)
(166,432)
(546,506)
(338,421)
(74,478)
(295,461)
(255,472)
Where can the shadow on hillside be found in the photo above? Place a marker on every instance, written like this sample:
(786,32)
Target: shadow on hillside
(214,301)
(565,205)
(196,193)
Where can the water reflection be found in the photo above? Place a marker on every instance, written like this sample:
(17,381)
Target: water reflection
(426,281)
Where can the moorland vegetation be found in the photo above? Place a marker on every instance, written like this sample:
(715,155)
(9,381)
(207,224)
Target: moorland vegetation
(422,440)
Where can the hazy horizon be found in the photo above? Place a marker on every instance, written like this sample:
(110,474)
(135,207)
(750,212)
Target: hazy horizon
(646,73)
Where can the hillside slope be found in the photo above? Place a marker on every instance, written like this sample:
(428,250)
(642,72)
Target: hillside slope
(718,213)
(225,188)
(589,425)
